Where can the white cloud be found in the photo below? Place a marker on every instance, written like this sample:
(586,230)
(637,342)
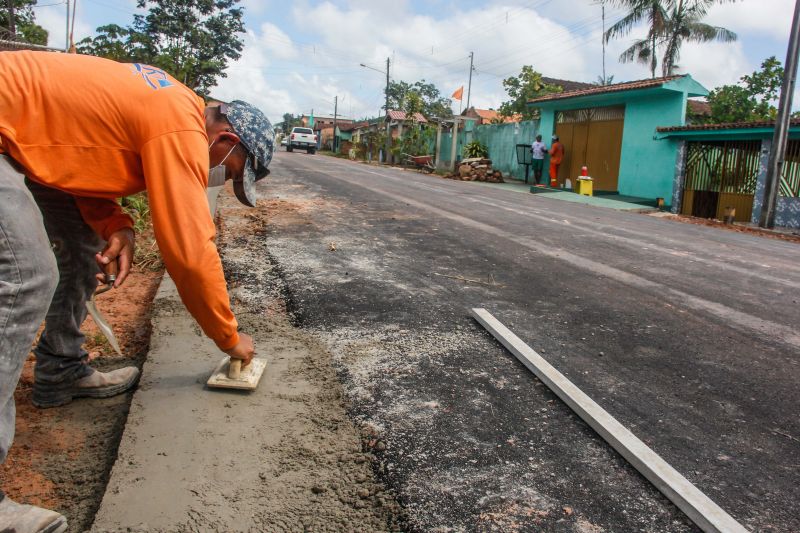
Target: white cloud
(245,81)
(54,20)
(771,18)
(276,42)
(560,39)
(714,64)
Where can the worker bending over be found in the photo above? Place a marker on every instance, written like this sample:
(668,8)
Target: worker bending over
(77,132)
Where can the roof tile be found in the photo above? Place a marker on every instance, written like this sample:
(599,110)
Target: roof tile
(602,89)
(726,126)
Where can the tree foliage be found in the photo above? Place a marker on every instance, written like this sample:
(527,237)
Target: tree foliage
(193,40)
(684,24)
(25,26)
(669,24)
(751,99)
(290,121)
(419,97)
(523,88)
(608,80)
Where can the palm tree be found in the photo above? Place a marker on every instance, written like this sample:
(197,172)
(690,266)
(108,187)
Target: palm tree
(642,50)
(683,24)
(670,22)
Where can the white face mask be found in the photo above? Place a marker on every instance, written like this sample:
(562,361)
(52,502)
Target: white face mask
(217,174)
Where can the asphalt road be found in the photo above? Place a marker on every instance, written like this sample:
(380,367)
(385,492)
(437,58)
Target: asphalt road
(688,335)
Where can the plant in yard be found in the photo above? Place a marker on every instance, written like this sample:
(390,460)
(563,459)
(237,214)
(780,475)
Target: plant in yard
(475,149)
(669,24)
(147,255)
(520,89)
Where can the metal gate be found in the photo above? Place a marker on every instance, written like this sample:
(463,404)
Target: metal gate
(591,137)
(720,174)
(790,174)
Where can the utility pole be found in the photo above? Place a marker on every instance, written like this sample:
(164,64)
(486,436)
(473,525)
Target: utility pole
(11,25)
(335,113)
(388,132)
(603,8)
(469,86)
(777,151)
(72,49)
(66,36)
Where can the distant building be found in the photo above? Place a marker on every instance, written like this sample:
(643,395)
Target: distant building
(322,121)
(489,116)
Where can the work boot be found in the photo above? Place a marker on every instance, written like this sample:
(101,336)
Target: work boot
(95,385)
(18,518)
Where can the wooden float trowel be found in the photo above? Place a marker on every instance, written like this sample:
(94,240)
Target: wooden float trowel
(229,374)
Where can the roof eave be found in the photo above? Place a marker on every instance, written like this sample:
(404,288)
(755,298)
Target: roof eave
(686,84)
(615,97)
(736,133)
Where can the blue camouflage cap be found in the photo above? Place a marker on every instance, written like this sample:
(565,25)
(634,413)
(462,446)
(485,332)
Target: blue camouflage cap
(257,136)
(253,128)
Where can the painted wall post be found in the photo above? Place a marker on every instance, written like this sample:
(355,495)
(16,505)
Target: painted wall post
(454,146)
(680,178)
(438,152)
(761,181)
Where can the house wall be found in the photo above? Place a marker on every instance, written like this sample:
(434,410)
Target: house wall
(447,142)
(647,165)
(502,139)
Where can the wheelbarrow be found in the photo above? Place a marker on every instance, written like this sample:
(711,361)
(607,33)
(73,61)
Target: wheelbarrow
(420,162)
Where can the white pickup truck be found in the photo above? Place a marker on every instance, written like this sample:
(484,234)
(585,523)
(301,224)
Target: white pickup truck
(302,138)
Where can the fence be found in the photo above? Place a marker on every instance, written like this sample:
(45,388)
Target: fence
(721,174)
(790,175)
(500,139)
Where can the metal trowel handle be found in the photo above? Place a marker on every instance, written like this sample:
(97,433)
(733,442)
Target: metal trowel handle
(110,271)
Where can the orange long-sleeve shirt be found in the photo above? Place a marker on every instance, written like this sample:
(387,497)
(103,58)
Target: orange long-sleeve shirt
(100,130)
(556,153)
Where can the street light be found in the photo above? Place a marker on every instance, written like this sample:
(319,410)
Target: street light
(388,137)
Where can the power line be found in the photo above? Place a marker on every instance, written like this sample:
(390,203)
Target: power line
(567,31)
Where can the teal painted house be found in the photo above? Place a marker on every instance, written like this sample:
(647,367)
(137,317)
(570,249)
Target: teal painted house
(613,131)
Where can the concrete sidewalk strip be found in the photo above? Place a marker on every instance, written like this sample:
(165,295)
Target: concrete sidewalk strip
(697,506)
(284,457)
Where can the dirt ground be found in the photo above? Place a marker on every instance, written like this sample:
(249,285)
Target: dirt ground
(783,235)
(61,458)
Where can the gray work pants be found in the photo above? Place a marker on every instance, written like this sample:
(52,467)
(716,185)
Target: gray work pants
(47,271)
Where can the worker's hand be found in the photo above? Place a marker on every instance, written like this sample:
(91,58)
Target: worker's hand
(245,350)
(120,249)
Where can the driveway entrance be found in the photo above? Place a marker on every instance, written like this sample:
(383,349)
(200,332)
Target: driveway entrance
(591,137)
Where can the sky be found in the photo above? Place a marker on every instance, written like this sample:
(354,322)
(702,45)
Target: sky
(301,55)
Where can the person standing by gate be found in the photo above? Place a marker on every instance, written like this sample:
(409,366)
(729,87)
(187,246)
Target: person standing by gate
(538,150)
(556,157)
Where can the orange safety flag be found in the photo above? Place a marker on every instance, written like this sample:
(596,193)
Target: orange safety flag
(459,94)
